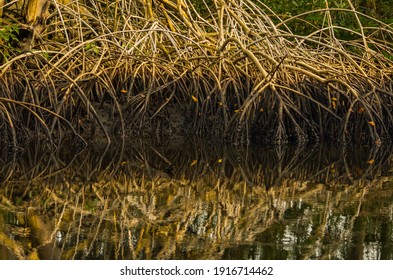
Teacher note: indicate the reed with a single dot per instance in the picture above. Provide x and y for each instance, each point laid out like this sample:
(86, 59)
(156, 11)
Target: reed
(237, 71)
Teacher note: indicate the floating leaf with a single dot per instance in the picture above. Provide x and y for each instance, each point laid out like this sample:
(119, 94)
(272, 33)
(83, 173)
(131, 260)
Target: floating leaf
(219, 160)
(236, 111)
(370, 161)
(194, 162)
(371, 123)
(261, 110)
(123, 91)
(334, 99)
(194, 98)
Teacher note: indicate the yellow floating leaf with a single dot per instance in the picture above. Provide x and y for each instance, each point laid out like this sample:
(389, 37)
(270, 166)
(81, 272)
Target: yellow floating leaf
(219, 160)
(123, 163)
(123, 91)
(334, 99)
(371, 123)
(370, 161)
(220, 103)
(237, 111)
(194, 98)
(261, 110)
(194, 162)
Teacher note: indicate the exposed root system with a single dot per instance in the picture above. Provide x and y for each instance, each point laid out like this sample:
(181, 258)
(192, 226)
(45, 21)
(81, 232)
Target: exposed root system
(119, 66)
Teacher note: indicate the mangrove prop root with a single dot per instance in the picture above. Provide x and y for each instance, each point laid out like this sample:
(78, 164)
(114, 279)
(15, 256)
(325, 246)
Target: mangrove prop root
(234, 67)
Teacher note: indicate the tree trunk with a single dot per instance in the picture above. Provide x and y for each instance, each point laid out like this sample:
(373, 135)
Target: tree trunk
(37, 11)
(2, 2)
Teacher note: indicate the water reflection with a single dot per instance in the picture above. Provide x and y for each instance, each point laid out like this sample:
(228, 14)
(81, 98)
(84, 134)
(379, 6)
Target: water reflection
(196, 200)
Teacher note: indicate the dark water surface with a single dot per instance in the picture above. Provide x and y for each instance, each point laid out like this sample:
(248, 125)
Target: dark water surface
(196, 200)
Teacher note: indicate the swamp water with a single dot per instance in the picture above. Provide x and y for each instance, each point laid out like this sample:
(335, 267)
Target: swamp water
(196, 200)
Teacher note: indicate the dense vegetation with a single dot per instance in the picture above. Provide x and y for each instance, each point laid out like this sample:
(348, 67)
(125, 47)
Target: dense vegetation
(241, 70)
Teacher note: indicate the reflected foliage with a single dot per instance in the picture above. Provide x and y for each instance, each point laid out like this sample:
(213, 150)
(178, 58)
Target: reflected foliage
(145, 200)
